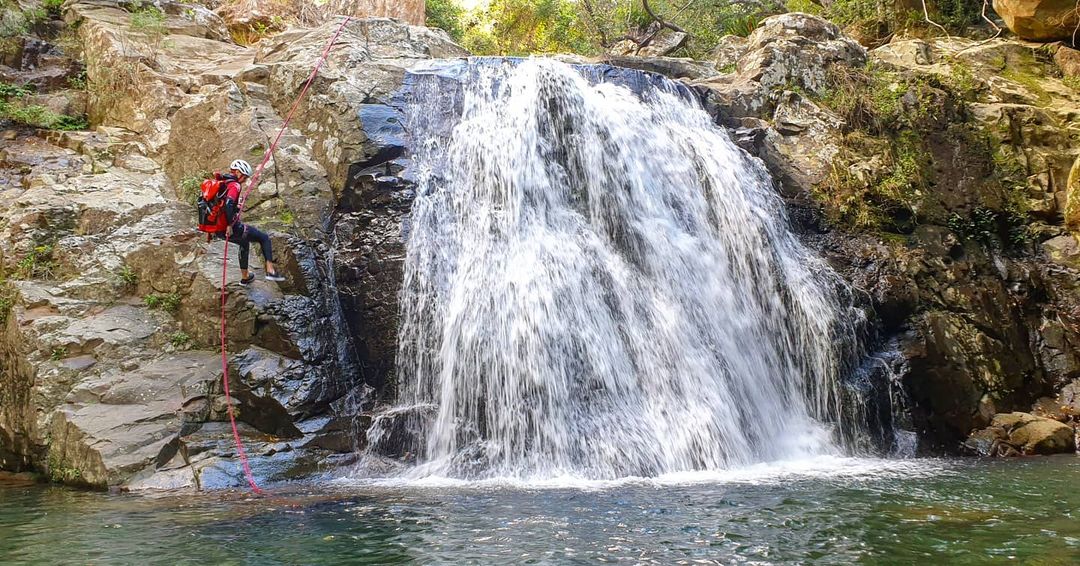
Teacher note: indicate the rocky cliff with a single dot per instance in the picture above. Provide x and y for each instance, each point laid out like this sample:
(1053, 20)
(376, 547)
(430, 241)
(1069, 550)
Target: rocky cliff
(111, 375)
(935, 175)
(939, 176)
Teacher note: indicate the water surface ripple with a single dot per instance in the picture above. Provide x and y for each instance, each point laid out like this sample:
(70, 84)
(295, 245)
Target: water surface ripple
(828, 511)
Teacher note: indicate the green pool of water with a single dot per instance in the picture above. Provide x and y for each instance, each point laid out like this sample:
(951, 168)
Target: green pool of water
(834, 511)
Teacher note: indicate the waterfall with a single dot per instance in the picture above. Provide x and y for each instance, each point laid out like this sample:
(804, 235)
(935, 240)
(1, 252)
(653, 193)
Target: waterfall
(600, 284)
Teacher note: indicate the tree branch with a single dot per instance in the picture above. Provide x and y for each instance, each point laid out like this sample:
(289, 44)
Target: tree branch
(591, 13)
(663, 23)
(926, 14)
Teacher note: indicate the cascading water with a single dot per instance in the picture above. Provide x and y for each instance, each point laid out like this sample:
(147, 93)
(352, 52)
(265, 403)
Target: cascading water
(600, 284)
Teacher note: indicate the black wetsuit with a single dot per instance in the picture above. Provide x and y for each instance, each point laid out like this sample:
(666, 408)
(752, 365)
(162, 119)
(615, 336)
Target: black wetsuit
(243, 234)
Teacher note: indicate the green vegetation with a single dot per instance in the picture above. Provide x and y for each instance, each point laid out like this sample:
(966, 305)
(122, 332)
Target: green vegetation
(12, 25)
(446, 15)
(168, 302)
(589, 27)
(1029, 78)
(874, 22)
(8, 90)
(188, 189)
(180, 340)
(62, 474)
(993, 229)
(7, 300)
(127, 277)
(35, 16)
(1072, 82)
(148, 19)
(13, 108)
(58, 353)
(899, 126)
(804, 6)
(38, 264)
(52, 6)
(287, 217)
(78, 81)
(40, 117)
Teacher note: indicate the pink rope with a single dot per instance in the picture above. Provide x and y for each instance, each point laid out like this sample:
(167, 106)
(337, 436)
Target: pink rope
(225, 262)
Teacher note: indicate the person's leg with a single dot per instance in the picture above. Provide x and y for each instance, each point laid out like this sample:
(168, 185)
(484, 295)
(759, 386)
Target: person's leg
(243, 242)
(257, 235)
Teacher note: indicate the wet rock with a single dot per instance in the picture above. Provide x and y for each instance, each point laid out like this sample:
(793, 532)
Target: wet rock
(1039, 20)
(672, 67)
(400, 432)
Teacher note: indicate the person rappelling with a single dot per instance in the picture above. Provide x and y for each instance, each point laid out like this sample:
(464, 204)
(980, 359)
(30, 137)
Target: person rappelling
(219, 217)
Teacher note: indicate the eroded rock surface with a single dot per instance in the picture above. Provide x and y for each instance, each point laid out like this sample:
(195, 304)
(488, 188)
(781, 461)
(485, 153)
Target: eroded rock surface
(995, 131)
(111, 314)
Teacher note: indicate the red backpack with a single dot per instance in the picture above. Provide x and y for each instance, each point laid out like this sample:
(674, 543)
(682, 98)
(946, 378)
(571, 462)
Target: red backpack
(211, 205)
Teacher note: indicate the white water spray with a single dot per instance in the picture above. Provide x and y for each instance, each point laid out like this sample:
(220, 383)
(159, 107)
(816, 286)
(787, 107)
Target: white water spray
(600, 284)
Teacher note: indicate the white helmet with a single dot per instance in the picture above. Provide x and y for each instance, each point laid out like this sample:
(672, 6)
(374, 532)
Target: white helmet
(241, 166)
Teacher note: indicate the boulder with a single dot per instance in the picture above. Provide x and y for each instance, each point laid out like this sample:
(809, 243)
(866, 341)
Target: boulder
(409, 11)
(1017, 433)
(1072, 206)
(138, 78)
(120, 424)
(729, 49)
(123, 426)
(797, 49)
(664, 43)
(1068, 60)
(1068, 400)
(1039, 20)
(671, 67)
(785, 52)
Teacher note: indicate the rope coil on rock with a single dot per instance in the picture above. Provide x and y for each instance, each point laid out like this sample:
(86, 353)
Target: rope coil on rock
(225, 262)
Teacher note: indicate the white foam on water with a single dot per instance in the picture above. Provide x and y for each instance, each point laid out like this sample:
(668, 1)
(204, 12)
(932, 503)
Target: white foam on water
(599, 285)
(820, 468)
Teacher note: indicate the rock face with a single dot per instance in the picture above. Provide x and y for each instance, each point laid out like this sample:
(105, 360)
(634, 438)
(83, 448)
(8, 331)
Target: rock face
(111, 375)
(1039, 20)
(983, 325)
(1072, 207)
(407, 11)
(1014, 434)
(108, 328)
(355, 121)
(665, 42)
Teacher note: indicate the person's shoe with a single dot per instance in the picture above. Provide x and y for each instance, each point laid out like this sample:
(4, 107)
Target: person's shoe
(274, 277)
(247, 280)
